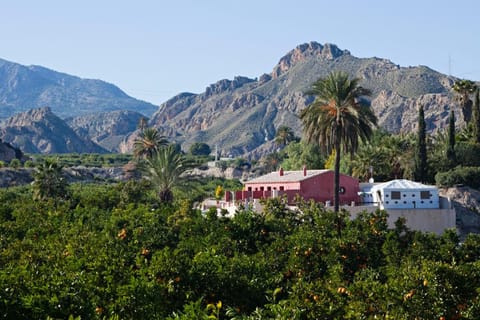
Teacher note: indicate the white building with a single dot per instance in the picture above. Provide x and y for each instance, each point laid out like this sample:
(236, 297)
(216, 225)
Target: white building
(405, 194)
(420, 205)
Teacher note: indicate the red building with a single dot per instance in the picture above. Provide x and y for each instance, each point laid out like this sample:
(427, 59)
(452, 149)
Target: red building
(314, 185)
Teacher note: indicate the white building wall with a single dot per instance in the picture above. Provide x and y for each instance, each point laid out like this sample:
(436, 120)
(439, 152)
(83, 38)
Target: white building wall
(426, 220)
(409, 199)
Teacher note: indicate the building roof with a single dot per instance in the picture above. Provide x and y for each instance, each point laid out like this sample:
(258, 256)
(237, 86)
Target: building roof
(403, 184)
(288, 176)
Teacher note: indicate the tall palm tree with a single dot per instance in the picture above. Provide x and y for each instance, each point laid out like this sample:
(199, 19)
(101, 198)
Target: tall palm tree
(165, 168)
(338, 117)
(284, 135)
(148, 142)
(465, 88)
(49, 181)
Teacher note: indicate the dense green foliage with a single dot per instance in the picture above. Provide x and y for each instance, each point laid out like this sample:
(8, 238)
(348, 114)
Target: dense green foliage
(469, 176)
(299, 154)
(200, 149)
(114, 252)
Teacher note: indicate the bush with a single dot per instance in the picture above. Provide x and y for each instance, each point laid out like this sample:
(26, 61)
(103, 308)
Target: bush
(15, 163)
(469, 176)
(200, 149)
(29, 164)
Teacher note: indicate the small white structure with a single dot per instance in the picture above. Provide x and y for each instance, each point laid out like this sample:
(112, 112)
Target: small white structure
(405, 194)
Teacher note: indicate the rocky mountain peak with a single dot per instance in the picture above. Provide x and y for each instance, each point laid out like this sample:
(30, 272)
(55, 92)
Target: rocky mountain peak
(306, 51)
(32, 115)
(227, 85)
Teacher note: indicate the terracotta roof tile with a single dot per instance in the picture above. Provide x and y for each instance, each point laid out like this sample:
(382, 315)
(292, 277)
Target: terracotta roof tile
(288, 176)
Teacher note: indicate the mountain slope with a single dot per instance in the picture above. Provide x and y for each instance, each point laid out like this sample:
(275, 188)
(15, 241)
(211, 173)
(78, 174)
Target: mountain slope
(41, 131)
(107, 129)
(28, 87)
(240, 115)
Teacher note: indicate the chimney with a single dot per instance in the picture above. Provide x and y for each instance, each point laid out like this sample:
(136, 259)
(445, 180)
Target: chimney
(281, 172)
(304, 171)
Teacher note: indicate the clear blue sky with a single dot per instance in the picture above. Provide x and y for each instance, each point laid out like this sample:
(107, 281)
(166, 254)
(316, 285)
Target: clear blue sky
(155, 49)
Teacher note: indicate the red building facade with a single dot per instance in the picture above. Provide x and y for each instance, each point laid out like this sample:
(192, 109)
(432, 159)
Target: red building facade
(314, 185)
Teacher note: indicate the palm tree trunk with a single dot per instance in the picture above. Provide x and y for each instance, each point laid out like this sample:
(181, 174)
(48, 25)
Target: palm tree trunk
(336, 183)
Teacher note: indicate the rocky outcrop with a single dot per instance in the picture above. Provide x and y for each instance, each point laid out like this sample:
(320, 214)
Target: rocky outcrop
(306, 51)
(41, 131)
(467, 207)
(226, 85)
(399, 114)
(8, 153)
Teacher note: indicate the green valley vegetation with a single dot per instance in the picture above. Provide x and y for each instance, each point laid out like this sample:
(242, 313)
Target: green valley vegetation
(115, 251)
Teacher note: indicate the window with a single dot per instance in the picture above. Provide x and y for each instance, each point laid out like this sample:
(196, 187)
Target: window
(269, 188)
(395, 194)
(425, 195)
(261, 188)
(250, 189)
(281, 188)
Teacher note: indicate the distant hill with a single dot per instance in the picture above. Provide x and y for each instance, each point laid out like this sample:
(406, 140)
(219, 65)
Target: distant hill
(27, 87)
(241, 115)
(41, 131)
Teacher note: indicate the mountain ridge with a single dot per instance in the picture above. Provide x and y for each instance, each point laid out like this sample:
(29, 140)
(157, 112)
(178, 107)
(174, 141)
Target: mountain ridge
(241, 115)
(31, 87)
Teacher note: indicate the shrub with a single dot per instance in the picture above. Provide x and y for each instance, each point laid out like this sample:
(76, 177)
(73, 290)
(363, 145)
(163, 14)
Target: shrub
(469, 176)
(29, 164)
(200, 149)
(15, 163)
